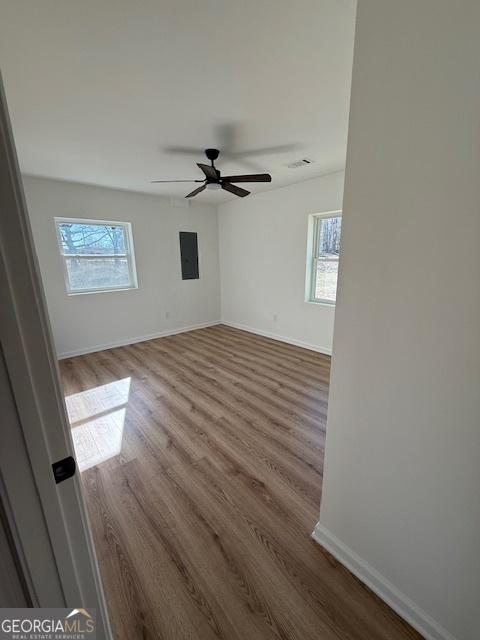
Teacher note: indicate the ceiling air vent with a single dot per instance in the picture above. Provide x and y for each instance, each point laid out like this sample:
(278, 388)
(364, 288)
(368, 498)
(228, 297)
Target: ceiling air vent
(299, 163)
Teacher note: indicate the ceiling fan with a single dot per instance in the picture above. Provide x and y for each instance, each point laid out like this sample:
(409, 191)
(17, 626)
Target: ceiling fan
(214, 180)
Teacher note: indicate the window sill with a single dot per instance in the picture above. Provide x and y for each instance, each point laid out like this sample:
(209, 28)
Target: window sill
(323, 303)
(86, 293)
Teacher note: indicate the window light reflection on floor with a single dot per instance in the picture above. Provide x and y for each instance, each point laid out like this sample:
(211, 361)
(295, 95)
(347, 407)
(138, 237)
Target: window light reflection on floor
(97, 418)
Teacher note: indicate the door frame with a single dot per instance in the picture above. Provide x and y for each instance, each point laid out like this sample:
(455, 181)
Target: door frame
(49, 522)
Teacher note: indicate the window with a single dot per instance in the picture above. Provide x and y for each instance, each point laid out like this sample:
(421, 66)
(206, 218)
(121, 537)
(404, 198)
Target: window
(97, 255)
(324, 250)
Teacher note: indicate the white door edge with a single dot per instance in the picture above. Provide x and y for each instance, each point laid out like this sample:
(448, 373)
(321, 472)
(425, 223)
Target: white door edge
(32, 371)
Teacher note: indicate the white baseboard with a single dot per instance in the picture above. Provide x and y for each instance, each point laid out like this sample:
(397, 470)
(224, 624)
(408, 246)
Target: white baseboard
(398, 601)
(274, 336)
(123, 343)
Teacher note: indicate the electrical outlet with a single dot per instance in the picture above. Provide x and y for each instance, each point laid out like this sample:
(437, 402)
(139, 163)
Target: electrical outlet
(275, 317)
(167, 315)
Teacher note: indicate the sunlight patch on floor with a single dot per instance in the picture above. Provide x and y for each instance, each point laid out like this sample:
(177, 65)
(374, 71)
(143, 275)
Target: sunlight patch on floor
(97, 418)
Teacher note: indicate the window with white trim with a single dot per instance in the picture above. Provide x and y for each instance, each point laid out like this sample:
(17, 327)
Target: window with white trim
(325, 251)
(97, 255)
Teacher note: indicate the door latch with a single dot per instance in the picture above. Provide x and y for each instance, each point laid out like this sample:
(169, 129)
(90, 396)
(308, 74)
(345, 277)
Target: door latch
(63, 469)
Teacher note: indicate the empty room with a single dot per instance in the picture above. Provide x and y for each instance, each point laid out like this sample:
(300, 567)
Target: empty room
(239, 328)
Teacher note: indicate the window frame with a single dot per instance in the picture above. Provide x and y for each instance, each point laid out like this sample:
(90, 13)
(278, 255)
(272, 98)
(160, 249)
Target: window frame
(313, 259)
(129, 255)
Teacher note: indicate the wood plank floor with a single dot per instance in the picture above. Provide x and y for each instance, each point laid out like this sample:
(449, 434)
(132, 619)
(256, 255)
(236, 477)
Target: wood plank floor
(201, 458)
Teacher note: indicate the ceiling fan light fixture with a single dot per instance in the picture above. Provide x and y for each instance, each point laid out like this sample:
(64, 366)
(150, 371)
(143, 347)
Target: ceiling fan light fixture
(214, 186)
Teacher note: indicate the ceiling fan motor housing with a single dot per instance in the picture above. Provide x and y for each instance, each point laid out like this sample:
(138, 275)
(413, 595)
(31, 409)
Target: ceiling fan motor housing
(212, 154)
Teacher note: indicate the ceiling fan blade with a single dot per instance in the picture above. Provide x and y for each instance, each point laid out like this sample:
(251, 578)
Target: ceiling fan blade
(157, 181)
(194, 193)
(238, 191)
(254, 177)
(209, 171)
(281, 148)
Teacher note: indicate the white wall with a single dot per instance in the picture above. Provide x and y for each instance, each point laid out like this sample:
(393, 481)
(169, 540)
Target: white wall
(85, 322)
(263, 244)
(402, 470)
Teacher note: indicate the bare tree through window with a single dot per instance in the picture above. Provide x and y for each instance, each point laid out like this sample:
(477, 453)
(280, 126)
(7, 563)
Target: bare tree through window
(97, 255)
(326, 252)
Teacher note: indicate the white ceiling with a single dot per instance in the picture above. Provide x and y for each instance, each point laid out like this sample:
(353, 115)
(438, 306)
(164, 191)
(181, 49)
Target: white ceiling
(103, 91)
